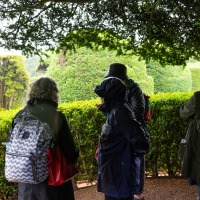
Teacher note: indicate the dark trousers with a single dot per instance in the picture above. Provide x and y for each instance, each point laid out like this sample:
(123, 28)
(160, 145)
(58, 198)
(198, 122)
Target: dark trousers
(113, 198)
(140, 170)
(62, 192)
(33, 191)
(43, 191)
(198, 190)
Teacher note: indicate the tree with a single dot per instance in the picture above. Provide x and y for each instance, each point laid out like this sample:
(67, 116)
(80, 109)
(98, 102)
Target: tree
(170, 78)
(31, 64)
(166, 31)
(13, 80)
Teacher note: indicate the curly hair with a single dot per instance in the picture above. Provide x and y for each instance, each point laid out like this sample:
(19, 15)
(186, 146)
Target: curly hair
(44, 88)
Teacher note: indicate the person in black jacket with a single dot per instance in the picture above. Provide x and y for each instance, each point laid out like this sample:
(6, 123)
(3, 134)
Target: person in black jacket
(43, 102)
(136, 101)
(191, 158)
(117, 175)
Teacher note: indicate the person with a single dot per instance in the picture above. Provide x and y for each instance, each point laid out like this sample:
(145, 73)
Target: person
(117, 177)
(43, 102)
(137, 102)
(191, 161)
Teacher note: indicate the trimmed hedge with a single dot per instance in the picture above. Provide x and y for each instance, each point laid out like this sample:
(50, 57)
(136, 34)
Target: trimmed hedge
(84, 69)
(6, 189)
(85, 122)
(166, 128)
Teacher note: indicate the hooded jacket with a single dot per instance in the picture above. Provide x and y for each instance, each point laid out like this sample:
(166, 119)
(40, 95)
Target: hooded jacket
(191, 161)
(45, 110)
(116, 175)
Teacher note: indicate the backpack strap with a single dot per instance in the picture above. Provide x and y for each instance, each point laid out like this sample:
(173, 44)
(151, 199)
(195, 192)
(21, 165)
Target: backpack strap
(56, 123)
(56, 128)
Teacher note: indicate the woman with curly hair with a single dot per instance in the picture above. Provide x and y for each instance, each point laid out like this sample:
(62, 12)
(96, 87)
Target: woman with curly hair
(43, 103)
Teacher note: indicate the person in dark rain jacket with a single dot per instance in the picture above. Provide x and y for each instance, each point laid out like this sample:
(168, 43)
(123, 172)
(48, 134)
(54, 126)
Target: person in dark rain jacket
(191, 161)
(116, 159)
(136, 101)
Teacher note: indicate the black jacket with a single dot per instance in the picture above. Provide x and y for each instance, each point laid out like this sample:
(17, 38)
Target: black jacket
(45, 110)
(191, 162)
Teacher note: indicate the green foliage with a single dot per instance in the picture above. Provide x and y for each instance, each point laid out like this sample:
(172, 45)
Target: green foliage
(166, 31)
(85, 121)
(37, 66)
(166, 129)
(6, 189)
(170, 78)
(13, 79)
(85, 69)
(195, 72)
(45, 61)
(147, 85)
(31, 65)
(6, 117)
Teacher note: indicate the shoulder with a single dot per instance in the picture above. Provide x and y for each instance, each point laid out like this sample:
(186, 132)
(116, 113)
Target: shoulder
(19, 113)
(62, 118)
(197, 94)
(133, 87)
(193, 98)
(196, 98)
(60, 115)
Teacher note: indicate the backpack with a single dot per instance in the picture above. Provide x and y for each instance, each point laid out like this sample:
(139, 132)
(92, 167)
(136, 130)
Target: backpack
(26, 158)
(147, 112)
(141, 140)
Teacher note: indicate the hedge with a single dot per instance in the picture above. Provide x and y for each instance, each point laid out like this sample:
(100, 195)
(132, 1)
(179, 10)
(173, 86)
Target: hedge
(166, 128)
(71, 70)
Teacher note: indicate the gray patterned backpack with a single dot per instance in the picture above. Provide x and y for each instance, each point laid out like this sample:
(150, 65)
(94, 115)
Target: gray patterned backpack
(26, 158)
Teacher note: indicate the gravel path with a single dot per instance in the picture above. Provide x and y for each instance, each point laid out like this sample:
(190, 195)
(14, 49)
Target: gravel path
(155, 189)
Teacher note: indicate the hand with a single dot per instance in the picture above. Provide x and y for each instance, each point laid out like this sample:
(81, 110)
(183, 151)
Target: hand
(98, 105)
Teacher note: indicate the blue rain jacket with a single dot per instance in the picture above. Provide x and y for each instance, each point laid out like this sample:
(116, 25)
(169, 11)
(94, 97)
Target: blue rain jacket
(117, 175)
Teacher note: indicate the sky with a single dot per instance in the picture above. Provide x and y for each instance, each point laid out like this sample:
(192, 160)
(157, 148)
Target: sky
(4, 51)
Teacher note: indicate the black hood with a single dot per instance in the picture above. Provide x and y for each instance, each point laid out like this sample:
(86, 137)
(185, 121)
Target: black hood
(113, 90)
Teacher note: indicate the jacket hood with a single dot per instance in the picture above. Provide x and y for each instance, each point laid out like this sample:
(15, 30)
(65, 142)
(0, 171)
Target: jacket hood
(43, 108)
(113, 90)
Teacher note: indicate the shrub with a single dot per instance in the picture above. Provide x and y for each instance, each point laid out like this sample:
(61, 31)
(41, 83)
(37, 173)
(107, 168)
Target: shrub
(85, 121)
(6, 189)
(167, 129)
